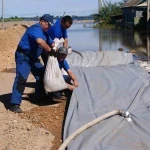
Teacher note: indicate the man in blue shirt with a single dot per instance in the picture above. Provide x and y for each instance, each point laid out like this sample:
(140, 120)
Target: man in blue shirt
(62, 53)
(30, 47)
(59, 30)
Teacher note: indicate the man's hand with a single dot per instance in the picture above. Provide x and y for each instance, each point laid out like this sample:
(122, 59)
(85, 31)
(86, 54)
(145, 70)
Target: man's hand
(53, 53)
(76, 84)
(73, 77)
(71, 87)
(69, 50)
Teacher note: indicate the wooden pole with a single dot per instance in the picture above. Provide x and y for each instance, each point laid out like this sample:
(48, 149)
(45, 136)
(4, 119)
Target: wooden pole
(2, 14)
(148, 48)
(148, 28)
(100, 38)
(99, 4)
(148, 14)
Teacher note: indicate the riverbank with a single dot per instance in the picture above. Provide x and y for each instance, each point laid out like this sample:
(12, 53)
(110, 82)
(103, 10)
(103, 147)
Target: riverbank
(16, 23)
(9, 39)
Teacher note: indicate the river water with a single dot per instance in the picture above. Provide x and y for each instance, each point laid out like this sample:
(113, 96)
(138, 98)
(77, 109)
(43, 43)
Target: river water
(87, 38)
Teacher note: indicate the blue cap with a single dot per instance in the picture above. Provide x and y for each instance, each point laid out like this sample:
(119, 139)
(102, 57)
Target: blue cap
(48, 18)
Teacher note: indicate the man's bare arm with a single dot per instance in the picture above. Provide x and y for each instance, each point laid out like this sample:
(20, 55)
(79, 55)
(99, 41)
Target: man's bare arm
(70, 87)
(65, 44)
(73, 77)
(43, 44)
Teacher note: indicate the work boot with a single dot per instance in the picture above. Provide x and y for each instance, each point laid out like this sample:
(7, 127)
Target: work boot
(15, 108)
(68, 93)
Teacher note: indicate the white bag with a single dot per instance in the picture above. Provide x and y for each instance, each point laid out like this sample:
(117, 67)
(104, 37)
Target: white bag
(53, 79)
(58, 42)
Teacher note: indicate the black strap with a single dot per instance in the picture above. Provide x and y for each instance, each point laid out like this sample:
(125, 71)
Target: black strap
(20, 50)
(25, 54)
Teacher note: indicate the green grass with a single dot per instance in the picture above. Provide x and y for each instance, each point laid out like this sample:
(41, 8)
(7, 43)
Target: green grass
(105, 26)
(12, 19)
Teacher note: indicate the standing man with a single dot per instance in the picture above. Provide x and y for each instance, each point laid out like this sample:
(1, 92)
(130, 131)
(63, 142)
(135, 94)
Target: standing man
(30, 47)
(59, 30)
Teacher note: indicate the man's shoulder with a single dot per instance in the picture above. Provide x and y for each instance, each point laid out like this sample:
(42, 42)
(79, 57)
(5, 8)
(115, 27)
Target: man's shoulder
(34, 26)
(54, 30)
(63, 62)
(57, 21)
(66, 63)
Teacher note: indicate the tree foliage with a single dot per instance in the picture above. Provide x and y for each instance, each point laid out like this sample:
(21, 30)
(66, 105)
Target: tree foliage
(105, 13)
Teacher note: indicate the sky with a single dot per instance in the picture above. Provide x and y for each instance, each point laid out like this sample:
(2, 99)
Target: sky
(26, 8)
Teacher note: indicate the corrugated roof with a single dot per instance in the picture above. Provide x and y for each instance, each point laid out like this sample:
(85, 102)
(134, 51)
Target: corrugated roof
(131, 3)
(142, 4)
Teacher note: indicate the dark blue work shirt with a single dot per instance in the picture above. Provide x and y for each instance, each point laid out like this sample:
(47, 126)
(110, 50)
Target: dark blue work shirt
(57, 31)
(64, 64)
(28, 41)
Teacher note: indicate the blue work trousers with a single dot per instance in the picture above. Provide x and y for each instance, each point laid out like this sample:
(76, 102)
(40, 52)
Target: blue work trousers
(23, 67)
(59, 93)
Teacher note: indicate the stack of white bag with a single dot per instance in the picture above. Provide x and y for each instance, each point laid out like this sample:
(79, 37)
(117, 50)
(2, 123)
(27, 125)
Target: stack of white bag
(145, 65)
(53, 79)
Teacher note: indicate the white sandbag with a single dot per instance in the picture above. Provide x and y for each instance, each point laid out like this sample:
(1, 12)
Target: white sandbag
(53, 79)
(99, 58)
(58, 42)
(63, 72)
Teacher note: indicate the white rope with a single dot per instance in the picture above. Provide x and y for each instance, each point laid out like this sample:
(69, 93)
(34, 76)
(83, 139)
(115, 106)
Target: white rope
(88, 125)
(144, 65)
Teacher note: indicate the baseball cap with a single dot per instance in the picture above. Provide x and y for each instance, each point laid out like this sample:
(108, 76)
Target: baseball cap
(63, 50)
(48, 18)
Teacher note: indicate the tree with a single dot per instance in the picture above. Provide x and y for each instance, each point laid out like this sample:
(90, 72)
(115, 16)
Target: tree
(105, 13)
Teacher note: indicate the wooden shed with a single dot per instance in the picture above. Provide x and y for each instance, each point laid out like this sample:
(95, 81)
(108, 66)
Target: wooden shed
(134, 14)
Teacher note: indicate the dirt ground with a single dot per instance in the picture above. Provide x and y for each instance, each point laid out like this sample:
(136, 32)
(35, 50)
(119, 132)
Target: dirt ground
(40, 126)
(49, 117)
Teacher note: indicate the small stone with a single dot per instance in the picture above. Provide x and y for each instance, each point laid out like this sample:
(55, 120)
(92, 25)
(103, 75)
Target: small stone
(46, 132)
(43, 125)
(28, 128)
(57, 117)
(15, 121)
